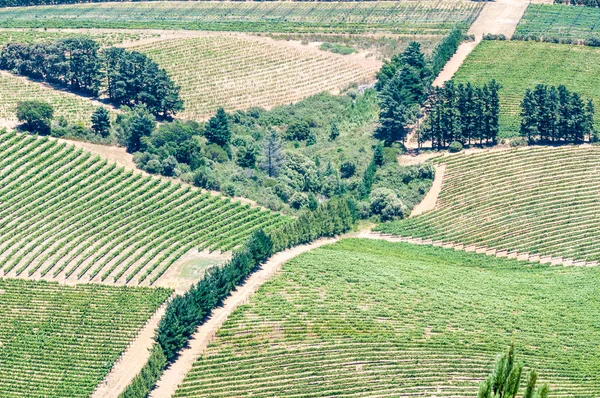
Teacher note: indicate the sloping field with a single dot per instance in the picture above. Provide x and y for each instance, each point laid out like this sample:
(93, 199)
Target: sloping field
(414, 17)
(518, 65)
(560, 21)
(36, 36)
(65, 214)
(239, 73)
(537, 200)
(60, 341)
(370, 318)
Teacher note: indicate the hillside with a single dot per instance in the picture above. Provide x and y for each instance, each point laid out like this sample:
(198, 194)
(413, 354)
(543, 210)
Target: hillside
(537, 200)
(368, 318)
(66, 214)
(560, 22)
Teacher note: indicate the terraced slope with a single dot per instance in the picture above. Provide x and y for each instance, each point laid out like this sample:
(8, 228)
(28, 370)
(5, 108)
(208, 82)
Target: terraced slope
(366, 318)
(518, 65)
(60, 341)
(65, 214)
(537, 200)
(414, 17)
(239, 73)
(560, 21)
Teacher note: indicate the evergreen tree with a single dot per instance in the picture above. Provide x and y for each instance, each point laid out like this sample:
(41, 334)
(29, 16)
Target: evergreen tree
(378, 157)
(141, 124)
(589, 120)
(101, 122)
(529, 115)
(334, 132)
(492, 114)
(395, 114)
(217, 129)
(273, 154)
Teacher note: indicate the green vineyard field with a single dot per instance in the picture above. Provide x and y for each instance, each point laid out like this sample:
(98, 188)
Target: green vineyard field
(238, 73)
(414, 17)
(61, 341)
(65, 214)
(365, 318)
(518, 65)
(537, 200)
(560, 21)
(37, 36)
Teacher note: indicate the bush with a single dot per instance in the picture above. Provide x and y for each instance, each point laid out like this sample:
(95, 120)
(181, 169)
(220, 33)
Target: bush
(215, 153)
(298, 200)
(385, 202)
(298, 130)
(36, 116)
(168, 166)
(347, 169)
(592, 42)
(455, 147)
(204, 178)
(153, 166)
(517, 142)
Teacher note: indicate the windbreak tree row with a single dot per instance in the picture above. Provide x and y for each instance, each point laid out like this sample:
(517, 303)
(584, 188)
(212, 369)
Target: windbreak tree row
(79, 65)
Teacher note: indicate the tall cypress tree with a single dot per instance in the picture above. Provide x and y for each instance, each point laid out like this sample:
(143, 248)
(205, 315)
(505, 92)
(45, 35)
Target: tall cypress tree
(529, 114)
(217, 129)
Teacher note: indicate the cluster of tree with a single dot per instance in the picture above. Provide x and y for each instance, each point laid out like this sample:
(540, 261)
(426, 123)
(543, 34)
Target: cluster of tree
(551, 114)
(587, 3)
(78, 65)
(186, 312)
(462, 113)
(505, 380)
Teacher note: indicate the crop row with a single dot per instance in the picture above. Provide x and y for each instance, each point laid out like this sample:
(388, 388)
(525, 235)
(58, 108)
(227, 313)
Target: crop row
(560, 21)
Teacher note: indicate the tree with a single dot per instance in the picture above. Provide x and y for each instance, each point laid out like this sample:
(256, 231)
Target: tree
(589, 119)
(334, 132)
(273, 154)
(101, 122)
(394, 114)
(217, 129)
(505, 379)
(529, 115)
(378, 157)
(246, 156)
(36, 116)
(142, 124)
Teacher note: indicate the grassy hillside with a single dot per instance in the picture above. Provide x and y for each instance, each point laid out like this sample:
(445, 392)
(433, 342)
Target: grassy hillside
(560, 21)
(61, 341)
(369, 318)
(538, 200)
(67, 214)
(239, 73)
(518, 65)
(422, 17)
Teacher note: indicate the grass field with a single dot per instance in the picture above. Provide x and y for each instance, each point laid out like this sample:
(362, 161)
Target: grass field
(36, 36)
(67, 214)
(518, 65)
(420, 17)
(371, 318)
(560, 21)
(539, 200)
(61, 341)
(239, 73)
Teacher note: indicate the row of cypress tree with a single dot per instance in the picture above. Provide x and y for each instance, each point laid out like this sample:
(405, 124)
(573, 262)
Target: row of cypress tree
(186, 312)
(462, 112)
(79, 65)
(556, 115)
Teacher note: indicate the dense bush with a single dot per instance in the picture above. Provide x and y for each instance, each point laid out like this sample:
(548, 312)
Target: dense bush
(36, 116)
(455, 146)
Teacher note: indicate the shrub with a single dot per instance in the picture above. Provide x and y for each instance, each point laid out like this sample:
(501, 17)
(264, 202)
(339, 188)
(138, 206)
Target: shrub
(347, 169)
(298, 200)
(153, 166)
(168, 166)
(298, 130)
(517, 142)
(229, 190)
(204, 178)
(36, 116)
(385, 202)
(455, 146)
(215, 153)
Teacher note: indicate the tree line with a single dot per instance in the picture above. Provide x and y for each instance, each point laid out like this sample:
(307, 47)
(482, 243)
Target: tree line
(554, 114)
(77, 64)
(463, 113)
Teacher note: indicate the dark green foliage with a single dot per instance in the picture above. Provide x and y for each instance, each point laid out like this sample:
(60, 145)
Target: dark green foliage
(347, 169)
(215, 153)
(143, 383)
(455, 146)
(298, 130)
(204, 178)
(217, 129)
(378, 157)
(36, 116)
(334, 132)
(246, 156)
(273, 158)
(411, 57)
(101, 122)
(445, 50)
(554, 114)
(141, 124)
(505, 380)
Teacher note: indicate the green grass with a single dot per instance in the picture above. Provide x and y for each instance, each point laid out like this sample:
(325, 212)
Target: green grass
(431, 17)
(560, 21)
(518, 65)
(370, 318)
(37, 36)
(539, 200)
(61, 341)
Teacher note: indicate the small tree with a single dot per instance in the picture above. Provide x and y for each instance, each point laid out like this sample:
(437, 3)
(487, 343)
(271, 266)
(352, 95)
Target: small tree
(217, 130)
(334, 132)
(505, 379)
(101, 122)
(378, 156)
(36, 116)
(273, 154)
(142, 124)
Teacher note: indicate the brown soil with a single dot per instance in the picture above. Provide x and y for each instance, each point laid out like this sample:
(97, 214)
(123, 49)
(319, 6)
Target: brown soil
(429, 201)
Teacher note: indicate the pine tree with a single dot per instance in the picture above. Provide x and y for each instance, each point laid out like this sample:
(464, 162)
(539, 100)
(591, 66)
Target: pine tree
(101, 122)
(589, 120)
(217, 129)
(492, 118)
(529, 113)
(142, 124)
(334, 132)
(378, 157)
(394, 115)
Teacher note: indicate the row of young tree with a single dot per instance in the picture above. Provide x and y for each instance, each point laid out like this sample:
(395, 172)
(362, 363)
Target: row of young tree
(556, 115)
(463, 113)
(78, 64)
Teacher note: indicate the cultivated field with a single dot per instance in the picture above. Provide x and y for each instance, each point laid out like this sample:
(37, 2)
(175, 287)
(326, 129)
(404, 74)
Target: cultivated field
(238, 73)
(60, 341)
(538, 200)
(66, 214)
(414, 17)
(37, 36)
(560, 21)
(518, 65)
(371, 318)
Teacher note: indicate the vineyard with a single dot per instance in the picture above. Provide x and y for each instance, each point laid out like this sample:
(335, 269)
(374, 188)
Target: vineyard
(518, 65)
(539, 200)
(412, 17)
(66, 214)
(239, 73)
(370, 318)
(560, 21)
(60, 341)
(36, 36)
